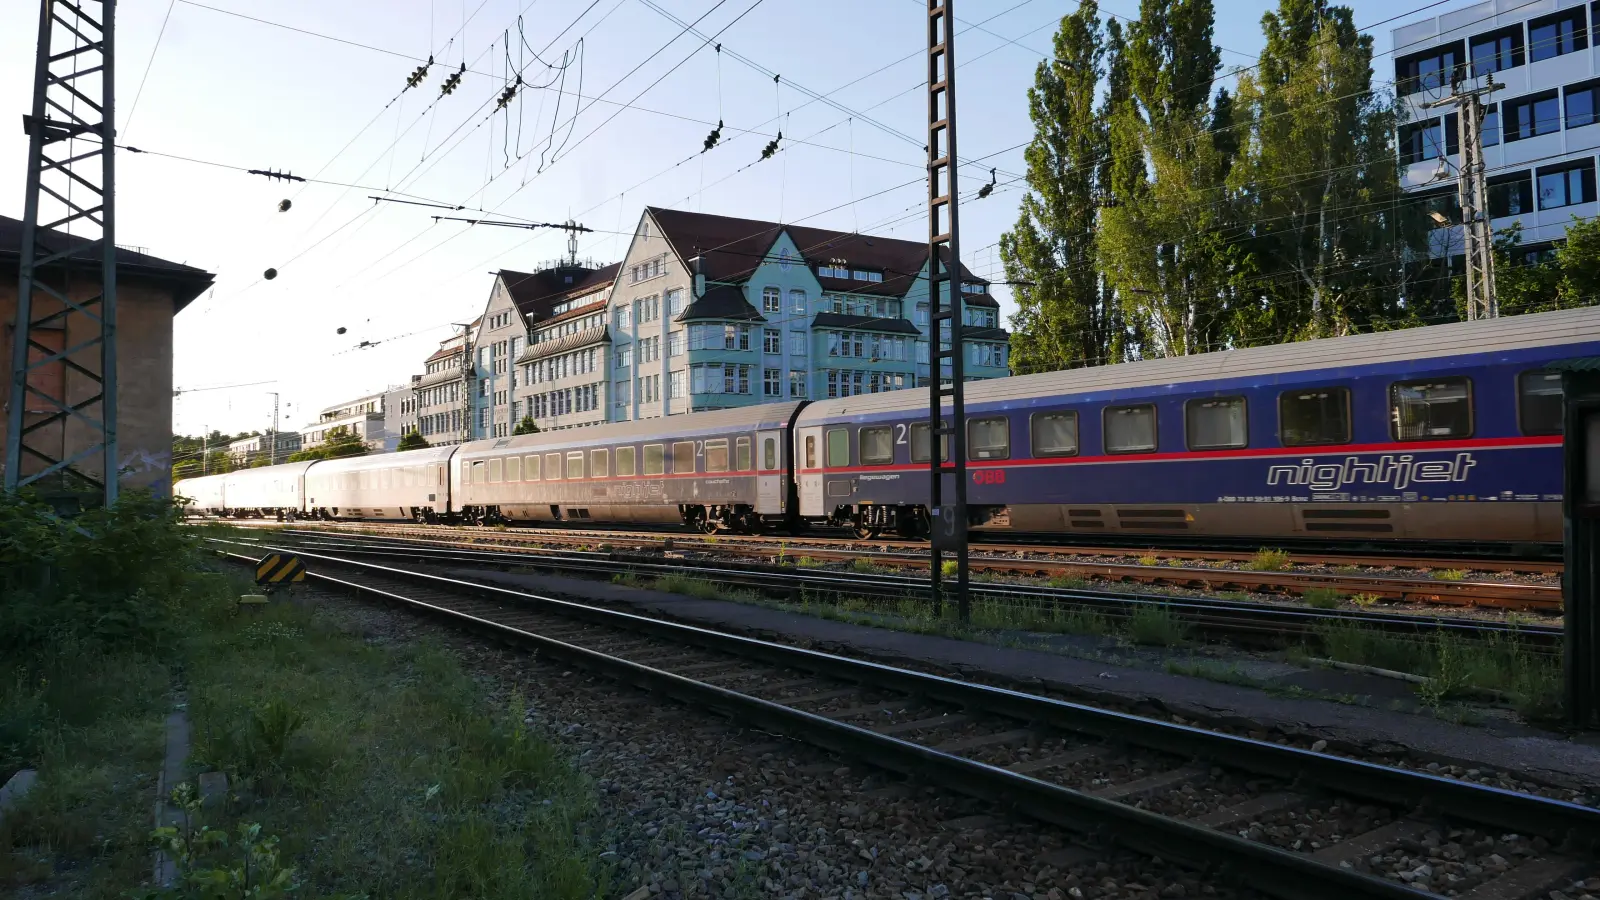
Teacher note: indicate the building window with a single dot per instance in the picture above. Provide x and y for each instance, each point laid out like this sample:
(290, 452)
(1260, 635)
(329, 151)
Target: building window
(677, 384)
(624, 318)
(1490, 129)
(797, 384)
(675, 343)
(982, 317)
(797, 300)
(1557, 35)
(1532, 116)
(833, 271)
(864, 275)
(1510, 195)
(771, 382)
(772, 341)
(674, 301)
(624, 357)
(620, 394)
(1581, 104)
(1432, 139)
(797, 344)
(1497, 51)
(771, 300)
(922, 314)
(1566, 186)
(1429, 70)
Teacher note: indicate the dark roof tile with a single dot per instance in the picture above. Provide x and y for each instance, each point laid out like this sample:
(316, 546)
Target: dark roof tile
(187, 282)
(864, 323)
(721, 302)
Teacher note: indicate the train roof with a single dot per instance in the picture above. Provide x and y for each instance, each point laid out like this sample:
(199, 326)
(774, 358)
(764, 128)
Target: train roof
(746, 418)
(1567, 326)
(421, 457)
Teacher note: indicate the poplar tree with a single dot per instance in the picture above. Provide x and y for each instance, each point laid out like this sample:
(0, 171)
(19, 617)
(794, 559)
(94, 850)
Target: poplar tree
(1063, 320)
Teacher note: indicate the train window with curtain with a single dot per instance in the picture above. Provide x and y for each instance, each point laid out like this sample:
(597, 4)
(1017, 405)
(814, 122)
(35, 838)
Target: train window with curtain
(717, 455)
(1216, 423)
(496, 475)
(624, 462)
(877, 446)
(1055, 434)
(1432, 409)
(811, 451)
(599, 463)
(552, 467)
(654, 463)
(1539, 406)
(513, 468)
(682, 457)
(1311, 416)
(1130, 429)
(741, 448)
(919, 443)
(575, 464)
(769, 453)
(530, 468)
(838, 447)
(989, 438)
(478, 472)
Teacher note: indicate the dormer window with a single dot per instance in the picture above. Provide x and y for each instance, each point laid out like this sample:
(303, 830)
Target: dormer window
(864, 275)
(833, 271)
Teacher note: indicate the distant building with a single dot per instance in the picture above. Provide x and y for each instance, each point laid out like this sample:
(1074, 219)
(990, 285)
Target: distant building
(440, 404)
(247, 450)
(363, 416)
(400, 410)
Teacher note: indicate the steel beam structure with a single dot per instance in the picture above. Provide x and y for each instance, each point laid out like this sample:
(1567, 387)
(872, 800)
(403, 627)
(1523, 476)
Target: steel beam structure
(949, 520)
(62, 413)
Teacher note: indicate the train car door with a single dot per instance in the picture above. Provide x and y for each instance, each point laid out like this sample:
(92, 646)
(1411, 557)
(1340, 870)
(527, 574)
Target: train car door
(769, 473)
(808, 468)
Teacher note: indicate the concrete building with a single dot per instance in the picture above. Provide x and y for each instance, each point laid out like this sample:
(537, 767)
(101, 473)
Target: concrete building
(439, 392)
(248, 450)
(150, 292)
(400, 410)
(1541, 131)
(363, 416)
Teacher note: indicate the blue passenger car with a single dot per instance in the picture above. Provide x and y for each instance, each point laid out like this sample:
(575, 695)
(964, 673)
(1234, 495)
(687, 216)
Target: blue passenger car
(1450, 432)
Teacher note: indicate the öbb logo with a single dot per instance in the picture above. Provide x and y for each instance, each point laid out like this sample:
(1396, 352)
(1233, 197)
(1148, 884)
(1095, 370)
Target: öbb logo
(989, 476)
(1396, 471)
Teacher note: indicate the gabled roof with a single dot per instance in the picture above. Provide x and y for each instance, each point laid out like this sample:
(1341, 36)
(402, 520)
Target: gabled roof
(731, 249)
(536, 293)
(584, 338)
(723, 301)
(185, 282)
(574, 313)
(864, 323)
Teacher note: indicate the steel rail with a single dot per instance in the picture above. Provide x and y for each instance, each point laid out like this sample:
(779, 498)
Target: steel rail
(1278, 872)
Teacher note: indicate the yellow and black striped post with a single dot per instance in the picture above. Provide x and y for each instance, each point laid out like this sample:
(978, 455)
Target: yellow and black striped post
(280, 568)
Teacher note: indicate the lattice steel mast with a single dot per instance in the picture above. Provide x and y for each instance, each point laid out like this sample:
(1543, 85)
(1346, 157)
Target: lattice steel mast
(62, 414)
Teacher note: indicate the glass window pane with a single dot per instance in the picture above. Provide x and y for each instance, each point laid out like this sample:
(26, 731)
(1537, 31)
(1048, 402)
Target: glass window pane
(530, 468)
(624, 462)
(478, 472)
(552, 466)
(769, 453)
(838, 447)
(1215, 424)
(877, 447)
(1539, 404)
(919, 443)
(1130, 429)
(495, 475)
(717, 455)
(1430, 410)
(654, 460)
(599, 463)
(742, 451)
(1314, 416)
(575, 464)
(683, 457)
(514, 468)
(1055, 434)
(989, 438)
(811, 451)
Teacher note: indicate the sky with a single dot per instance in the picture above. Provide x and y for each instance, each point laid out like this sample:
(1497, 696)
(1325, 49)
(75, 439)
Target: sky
(315, 89)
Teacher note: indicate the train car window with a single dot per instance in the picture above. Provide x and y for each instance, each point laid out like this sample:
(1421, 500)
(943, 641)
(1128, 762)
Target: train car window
(496, 473)
(552, 467)
(530, 468)
(575, 464)
(1130, 429)
(624, 462)
(478, 471)
(811, 451)
(838, 447)
(877, 446)
(717, 455)
(989, 438)
(682, 457)
(599, 463)
(1539, 407)
(769, 453)
(1216, 423)
(653, 460)
(513, 468)
(741, 448)
(919, 443)
(1430, 410)
(1054, 434)
(1312, 416)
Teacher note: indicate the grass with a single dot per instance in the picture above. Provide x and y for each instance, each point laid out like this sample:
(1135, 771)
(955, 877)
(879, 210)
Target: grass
(1149, 559)
(1156, 626)
(1450, 574)
(1268, 560)
(867, 567)
(1322, 598)
(362, 768)
(1365, 601)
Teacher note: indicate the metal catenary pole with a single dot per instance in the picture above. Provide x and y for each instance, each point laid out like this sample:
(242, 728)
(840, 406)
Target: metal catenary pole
(468, 381)
(64, 356)
(949, 520)
(1473, 195)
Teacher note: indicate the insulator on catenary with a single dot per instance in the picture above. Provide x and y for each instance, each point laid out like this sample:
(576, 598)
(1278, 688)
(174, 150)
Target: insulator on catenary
(341, 330)
(270, 274)
(283, 205)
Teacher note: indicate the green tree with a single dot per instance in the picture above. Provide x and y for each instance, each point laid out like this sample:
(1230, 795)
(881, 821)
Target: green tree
(1318, 182)
(338, 443)
(412, 440)
(1064, 317)
(1579, 259)
(526, 426)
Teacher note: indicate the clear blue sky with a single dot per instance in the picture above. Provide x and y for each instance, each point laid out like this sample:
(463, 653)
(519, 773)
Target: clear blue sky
(230, 90)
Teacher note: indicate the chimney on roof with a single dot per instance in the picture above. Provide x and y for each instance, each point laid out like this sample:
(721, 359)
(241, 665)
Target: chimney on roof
(696, 266)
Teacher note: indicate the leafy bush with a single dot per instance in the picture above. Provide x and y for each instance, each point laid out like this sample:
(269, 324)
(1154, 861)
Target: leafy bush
(112, 576)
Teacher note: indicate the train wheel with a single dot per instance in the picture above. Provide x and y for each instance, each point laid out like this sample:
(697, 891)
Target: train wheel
(865, 532)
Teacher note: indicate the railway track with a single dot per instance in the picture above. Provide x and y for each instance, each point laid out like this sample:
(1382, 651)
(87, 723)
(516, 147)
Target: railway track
(1290, 822)
(1255, 623)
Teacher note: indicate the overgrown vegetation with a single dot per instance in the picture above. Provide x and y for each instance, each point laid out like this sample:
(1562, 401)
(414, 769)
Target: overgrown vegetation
(1321, 598)
(357, 766)
(1268, 560)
